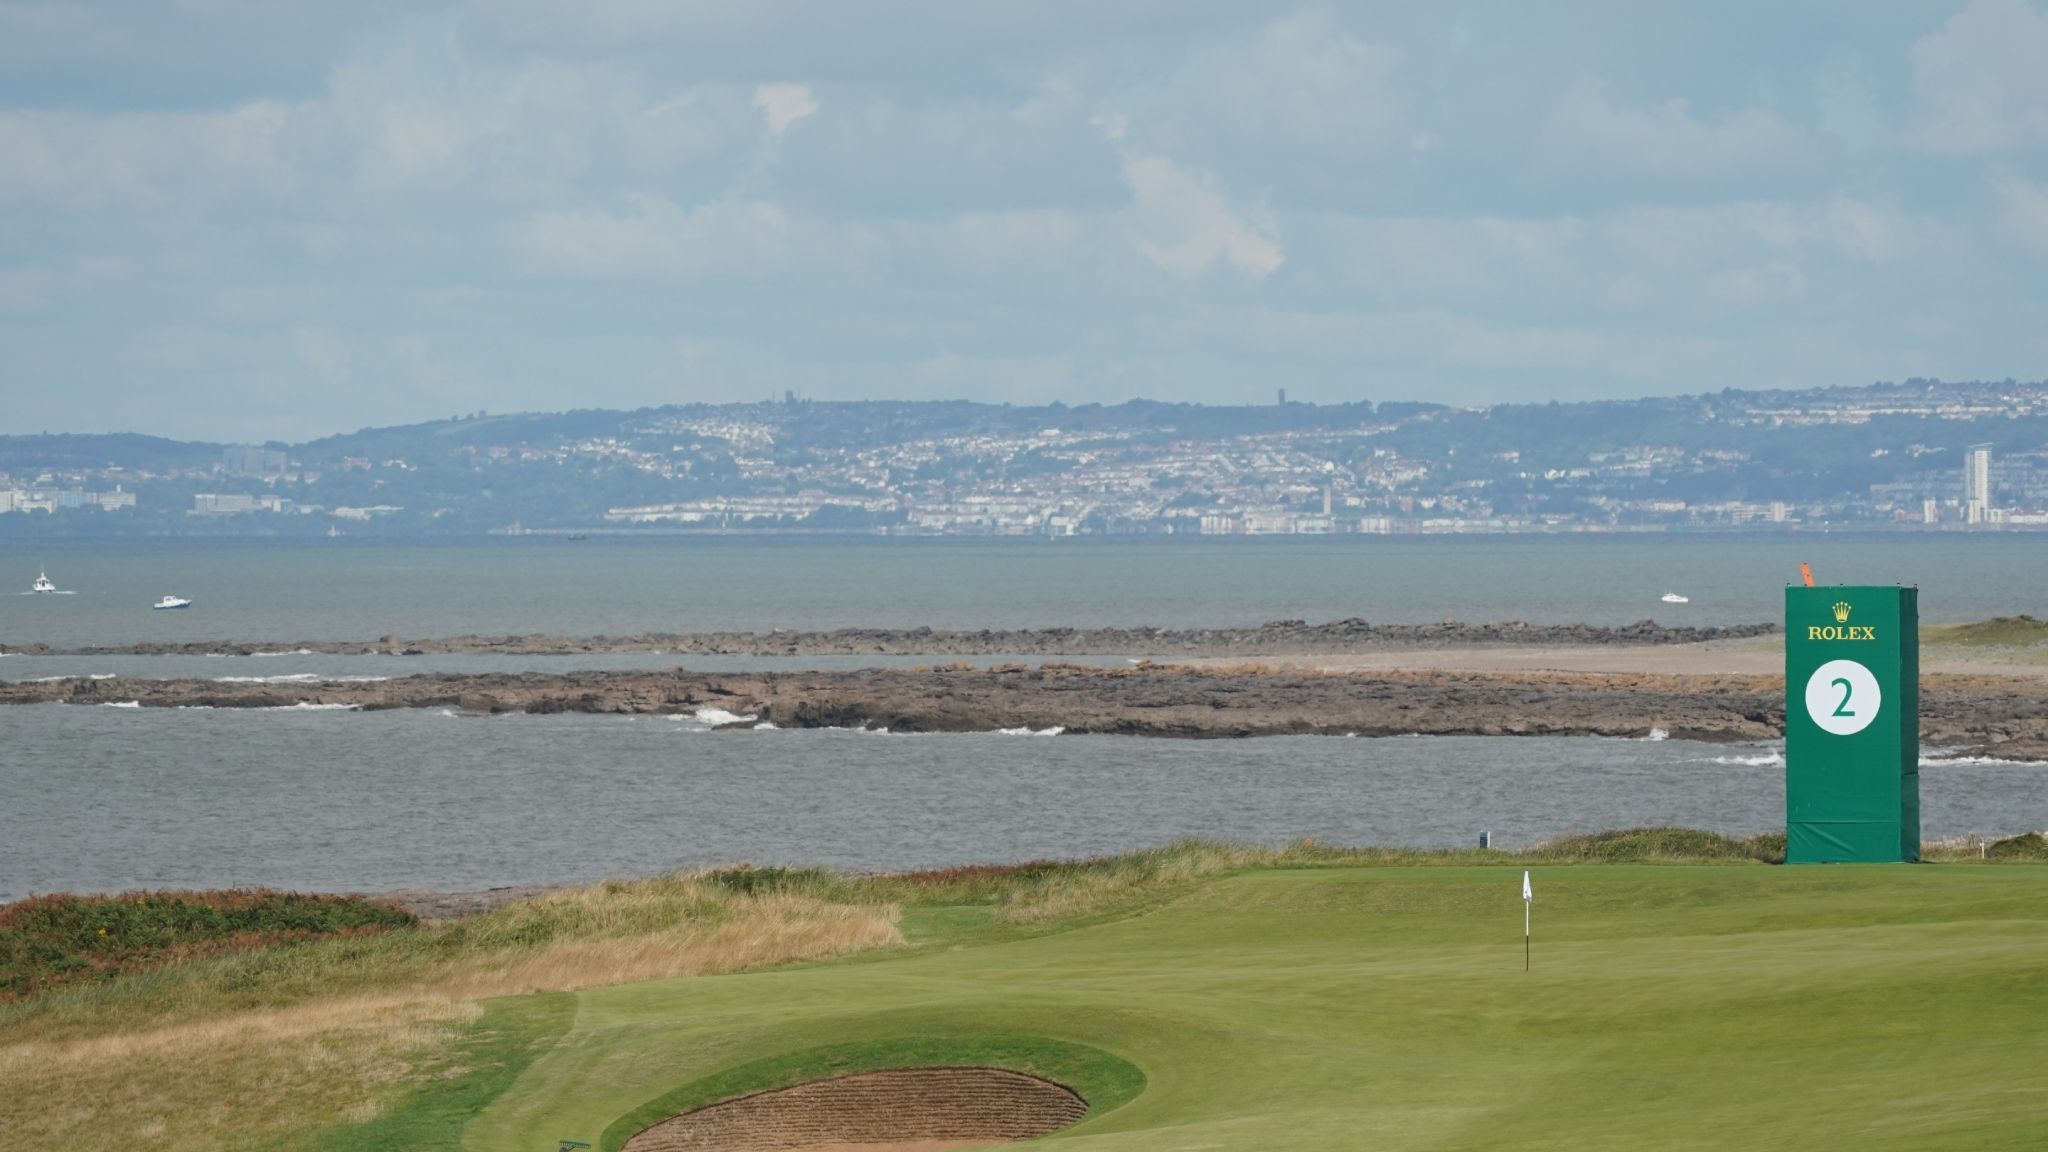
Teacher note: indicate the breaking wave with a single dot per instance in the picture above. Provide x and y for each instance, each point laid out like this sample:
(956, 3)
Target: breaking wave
(1763, 760)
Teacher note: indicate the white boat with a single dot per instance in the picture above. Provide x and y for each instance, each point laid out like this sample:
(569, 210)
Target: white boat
(43, 583)
(1674, 598)
(172, 602)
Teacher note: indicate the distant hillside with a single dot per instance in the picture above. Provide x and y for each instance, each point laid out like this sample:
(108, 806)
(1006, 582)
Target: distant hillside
(118, 449)
(1881, 455)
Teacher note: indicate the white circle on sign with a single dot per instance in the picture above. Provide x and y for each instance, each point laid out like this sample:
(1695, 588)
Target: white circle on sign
(1842, 697)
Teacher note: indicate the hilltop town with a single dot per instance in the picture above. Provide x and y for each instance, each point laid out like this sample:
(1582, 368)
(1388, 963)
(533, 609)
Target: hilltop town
(1922, 455)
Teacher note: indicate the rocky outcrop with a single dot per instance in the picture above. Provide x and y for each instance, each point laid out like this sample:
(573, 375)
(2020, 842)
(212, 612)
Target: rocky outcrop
(1965, 712)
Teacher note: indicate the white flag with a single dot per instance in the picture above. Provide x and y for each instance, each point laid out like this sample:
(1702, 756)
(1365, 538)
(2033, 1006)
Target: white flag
(1526, 893)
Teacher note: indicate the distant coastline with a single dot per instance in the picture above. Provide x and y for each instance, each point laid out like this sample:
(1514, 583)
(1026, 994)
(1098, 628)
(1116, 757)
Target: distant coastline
(1275, 638)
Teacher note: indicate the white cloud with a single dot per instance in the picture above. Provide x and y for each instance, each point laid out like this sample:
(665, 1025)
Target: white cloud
(1184, 225)
(1868, 232)
(1848, 107)
(1672, 240)
(782, 105)
(2025, 210)
(321, 351)
(1306, 80)
(1980, 84)
(596, 24)
(677, 130)
(93, 161)
(1299, 83)
(657, 238)
(1025, 236)
(1057, 96)
(1586, 124)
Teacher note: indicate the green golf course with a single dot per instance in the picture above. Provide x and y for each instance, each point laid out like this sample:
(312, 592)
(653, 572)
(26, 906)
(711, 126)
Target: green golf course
(1667, 1006)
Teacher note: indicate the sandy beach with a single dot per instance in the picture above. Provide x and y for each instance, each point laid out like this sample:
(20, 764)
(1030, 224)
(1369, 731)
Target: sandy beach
(1757, 656)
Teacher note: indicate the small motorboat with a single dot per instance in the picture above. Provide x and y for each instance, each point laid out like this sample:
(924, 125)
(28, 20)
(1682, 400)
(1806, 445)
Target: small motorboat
(43, 583)
(172, 602)
(1674, 598)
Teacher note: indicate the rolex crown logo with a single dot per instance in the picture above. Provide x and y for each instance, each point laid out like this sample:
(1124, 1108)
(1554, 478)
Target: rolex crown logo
(1841, 612)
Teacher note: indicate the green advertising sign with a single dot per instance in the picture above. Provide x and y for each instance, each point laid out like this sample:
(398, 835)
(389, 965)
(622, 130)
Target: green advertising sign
(1852, 724)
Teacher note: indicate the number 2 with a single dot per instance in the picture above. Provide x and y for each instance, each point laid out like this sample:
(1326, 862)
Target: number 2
(1842, 708)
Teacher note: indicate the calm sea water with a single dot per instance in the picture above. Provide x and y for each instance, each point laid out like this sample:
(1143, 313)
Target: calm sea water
(354, 590)
(101, 798)
(109, 798)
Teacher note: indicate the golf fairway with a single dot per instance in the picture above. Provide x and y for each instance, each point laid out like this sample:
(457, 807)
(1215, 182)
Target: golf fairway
(1668, 1006)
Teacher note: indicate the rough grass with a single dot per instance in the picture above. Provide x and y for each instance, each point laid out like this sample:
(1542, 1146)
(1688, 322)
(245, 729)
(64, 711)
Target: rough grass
(1997, 632)
(259, 1049)
(2032, 846)
(48, 941)
(1042, 891)
(1667, 845)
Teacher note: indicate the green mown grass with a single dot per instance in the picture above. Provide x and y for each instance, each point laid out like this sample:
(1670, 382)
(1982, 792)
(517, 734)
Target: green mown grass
(1200, 995)
(1342, 1006)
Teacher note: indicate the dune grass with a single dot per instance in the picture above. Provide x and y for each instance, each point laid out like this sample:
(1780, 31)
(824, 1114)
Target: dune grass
(50, 941)
(1997, 632)
(264, 1047)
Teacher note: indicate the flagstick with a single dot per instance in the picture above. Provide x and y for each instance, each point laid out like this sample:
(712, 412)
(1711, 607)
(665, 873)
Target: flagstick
(1528, 899)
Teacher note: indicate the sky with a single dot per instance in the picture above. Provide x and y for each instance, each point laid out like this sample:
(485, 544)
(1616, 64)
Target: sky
(264, 219)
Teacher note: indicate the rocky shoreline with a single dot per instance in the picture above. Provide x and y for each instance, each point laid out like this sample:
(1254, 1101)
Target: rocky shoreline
(1982, 715)
(1276, 638)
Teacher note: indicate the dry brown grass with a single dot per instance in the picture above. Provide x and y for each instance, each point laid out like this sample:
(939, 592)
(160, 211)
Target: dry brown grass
(203, 1056)
(252, 1080)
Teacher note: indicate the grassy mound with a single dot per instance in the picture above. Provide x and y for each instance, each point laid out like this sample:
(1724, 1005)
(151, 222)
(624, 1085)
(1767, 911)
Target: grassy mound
(2032, 846)
(266, 1047)
(1997, 632)
(48, 941)
(1671, 845)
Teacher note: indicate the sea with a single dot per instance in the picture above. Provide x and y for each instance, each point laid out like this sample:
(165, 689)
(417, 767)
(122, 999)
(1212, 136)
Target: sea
(96, 798)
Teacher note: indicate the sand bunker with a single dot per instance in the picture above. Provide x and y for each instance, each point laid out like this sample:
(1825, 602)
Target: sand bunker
(900, 1110)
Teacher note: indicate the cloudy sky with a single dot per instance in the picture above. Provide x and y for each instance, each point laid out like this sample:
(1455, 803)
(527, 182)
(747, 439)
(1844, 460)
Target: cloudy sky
(246, 219)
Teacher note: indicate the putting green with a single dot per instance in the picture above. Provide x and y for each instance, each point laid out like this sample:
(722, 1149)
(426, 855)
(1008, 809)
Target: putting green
(1878, 1007)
